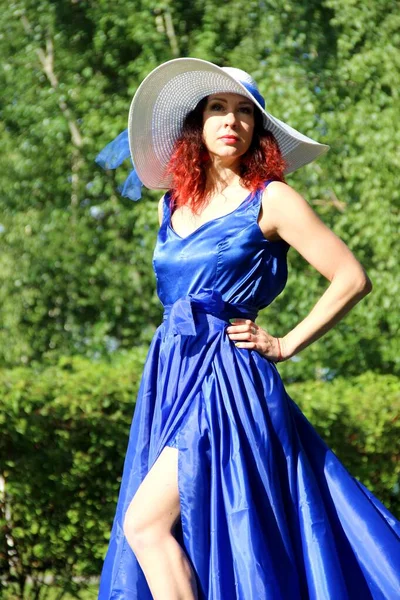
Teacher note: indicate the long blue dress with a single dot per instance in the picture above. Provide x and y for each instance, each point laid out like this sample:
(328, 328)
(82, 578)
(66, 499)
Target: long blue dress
(268, 512)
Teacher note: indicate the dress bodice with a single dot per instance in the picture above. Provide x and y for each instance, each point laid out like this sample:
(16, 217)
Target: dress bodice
(228, 254)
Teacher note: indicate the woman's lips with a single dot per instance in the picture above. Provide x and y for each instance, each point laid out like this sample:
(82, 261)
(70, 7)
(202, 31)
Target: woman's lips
(229, 139)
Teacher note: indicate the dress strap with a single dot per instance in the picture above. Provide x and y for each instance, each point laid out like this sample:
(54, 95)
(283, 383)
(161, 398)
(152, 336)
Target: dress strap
(266, 184)
(166, 208)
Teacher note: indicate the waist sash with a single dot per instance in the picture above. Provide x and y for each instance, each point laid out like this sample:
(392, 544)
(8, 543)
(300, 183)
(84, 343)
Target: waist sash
(179, 319)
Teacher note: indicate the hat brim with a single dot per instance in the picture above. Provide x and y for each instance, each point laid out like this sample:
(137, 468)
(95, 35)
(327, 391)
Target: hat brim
(169, 93)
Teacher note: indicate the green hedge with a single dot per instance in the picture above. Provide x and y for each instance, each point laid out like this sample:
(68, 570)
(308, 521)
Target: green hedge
(359, 419)
(63, 436)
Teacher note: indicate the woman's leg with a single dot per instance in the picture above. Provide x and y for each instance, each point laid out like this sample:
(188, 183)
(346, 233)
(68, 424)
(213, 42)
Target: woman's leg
(149, 522)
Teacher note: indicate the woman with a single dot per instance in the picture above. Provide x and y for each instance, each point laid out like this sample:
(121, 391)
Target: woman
(228, 492)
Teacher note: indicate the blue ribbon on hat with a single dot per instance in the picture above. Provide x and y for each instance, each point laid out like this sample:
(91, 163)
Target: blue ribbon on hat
(254, 92)
(112, 156)
(179, 317)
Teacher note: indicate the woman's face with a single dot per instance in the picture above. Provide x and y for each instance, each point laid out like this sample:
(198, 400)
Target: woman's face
(228, 125)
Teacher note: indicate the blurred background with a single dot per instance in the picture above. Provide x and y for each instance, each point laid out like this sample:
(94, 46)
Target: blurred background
(78, 305)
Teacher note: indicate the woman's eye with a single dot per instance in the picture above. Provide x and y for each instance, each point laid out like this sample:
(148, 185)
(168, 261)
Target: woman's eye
(216, 106)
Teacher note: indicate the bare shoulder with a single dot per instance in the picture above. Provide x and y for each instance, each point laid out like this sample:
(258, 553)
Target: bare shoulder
(283, 207)
(278, 199)
(279, 196)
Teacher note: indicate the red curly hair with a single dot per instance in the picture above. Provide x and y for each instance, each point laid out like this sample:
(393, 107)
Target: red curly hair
(187, 165)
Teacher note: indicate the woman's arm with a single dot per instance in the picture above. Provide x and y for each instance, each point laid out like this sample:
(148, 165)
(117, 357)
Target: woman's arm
(287, 215)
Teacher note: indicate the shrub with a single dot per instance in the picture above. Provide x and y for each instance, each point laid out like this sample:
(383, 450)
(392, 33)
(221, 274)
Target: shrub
(63, 436)
(359, 419)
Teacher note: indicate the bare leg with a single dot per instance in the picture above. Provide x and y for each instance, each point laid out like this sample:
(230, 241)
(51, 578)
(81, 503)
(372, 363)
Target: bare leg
(149, 522)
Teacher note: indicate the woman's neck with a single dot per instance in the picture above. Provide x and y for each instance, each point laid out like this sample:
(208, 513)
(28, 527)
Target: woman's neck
(221, 176)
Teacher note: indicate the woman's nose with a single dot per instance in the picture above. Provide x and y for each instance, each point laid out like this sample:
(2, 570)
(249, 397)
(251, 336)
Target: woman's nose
(230, 118)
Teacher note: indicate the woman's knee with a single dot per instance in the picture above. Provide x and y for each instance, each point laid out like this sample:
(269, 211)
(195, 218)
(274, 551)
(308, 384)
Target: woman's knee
(142, 535)
(155, 508)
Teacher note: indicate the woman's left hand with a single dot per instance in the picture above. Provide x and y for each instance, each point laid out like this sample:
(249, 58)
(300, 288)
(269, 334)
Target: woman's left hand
(247, 334)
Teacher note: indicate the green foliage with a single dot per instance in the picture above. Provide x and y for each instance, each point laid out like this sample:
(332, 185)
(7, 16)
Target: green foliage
(48, 591)
(74, 289)
(63, 437)
(359, 420)
(75, 271)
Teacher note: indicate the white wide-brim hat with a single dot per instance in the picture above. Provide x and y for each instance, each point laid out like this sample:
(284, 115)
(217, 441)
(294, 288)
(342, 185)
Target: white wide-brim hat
(171, 91)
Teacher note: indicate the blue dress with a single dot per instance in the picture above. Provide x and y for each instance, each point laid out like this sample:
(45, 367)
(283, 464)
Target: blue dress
(268, 512)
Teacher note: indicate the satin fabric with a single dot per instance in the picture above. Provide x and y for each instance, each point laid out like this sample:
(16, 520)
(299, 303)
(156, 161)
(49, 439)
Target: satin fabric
(112, 157)
(268, 512)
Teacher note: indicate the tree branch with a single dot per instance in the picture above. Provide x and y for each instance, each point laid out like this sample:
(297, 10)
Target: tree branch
(170, 29)
(47, 61)
(333, 201)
